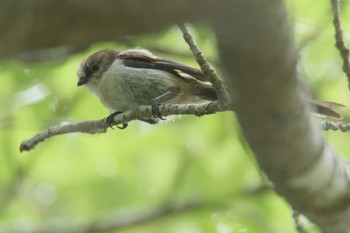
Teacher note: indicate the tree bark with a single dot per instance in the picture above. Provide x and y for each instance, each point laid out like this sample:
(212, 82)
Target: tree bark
(40, 24)
(257, 48)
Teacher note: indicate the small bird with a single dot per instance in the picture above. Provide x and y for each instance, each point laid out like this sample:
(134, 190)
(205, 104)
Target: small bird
(123, 80)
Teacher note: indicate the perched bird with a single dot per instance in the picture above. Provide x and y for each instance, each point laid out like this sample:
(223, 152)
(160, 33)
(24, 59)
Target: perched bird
(128, 79)
(123, 80)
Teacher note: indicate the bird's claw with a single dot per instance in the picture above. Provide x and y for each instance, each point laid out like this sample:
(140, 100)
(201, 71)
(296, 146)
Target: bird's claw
(155, 111)
(110, 121)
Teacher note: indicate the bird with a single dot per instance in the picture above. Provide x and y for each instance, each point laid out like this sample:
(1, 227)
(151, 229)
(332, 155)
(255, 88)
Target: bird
(123, 80)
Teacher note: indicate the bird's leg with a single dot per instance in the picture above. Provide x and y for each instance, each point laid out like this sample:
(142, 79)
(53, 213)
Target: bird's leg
(161, 99)
(110, 121)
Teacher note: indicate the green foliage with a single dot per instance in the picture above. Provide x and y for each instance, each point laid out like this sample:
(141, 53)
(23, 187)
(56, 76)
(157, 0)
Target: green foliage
(73, 180)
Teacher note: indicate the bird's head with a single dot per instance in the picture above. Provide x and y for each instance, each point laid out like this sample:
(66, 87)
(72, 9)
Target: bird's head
(92, 68)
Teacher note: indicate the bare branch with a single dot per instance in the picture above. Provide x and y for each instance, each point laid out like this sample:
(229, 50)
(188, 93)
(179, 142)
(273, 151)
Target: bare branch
(82, 127)
(330, 125)
(343, 50)
(101, 126)
(208, 70)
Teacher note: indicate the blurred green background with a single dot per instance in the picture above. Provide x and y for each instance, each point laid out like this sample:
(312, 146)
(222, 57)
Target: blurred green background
(192, 175)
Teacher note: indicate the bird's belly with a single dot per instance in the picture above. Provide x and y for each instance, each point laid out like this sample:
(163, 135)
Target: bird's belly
(107, 98)
(114, 102)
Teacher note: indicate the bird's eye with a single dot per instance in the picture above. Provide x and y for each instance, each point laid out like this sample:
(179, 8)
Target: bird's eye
(94, 67)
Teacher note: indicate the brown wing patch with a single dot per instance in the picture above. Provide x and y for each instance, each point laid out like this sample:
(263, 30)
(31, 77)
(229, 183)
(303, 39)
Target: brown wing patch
(145, 59)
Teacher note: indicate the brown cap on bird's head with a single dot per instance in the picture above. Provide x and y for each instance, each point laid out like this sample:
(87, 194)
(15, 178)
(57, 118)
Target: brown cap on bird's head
(95, 65)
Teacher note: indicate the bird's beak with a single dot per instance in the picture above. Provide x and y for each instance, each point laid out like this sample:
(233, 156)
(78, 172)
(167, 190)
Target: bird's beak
(82, 80)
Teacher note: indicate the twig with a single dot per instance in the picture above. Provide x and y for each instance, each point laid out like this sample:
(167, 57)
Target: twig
(101, 126)
(329, 125)
(207, 69)
(119, 222)
(340, 45)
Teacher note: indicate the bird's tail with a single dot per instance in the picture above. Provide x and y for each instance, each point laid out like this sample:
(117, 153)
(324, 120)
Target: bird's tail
(327, 108)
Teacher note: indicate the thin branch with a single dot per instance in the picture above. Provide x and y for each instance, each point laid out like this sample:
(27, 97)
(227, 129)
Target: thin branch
(207, 69)
(101, 126)
(343, 50)
(118, 222)
(330, 125)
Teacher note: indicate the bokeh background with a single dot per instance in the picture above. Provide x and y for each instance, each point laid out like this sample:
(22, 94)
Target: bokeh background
(189, 175)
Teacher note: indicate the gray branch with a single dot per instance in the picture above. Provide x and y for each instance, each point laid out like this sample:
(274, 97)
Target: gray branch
(101, 126)
(340, 44)
(208, 70)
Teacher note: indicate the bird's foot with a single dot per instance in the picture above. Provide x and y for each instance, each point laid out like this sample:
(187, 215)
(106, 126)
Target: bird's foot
(155, 111)
(161, 99)
(110, 121)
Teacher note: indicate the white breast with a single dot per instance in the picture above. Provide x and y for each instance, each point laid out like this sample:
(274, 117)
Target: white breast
(122, 88)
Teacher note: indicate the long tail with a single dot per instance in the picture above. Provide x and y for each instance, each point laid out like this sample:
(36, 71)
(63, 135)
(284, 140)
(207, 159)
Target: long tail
(327, 108)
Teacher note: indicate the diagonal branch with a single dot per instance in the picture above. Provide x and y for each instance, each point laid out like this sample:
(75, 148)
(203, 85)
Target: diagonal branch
(340, 44)
(208, 70)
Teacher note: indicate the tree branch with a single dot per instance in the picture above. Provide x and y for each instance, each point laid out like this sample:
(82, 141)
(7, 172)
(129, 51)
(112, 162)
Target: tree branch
(340, 45)
(207, 69)
(101, 126)
(329, 125)
(89, 22)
